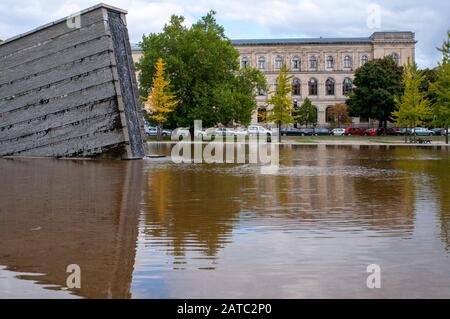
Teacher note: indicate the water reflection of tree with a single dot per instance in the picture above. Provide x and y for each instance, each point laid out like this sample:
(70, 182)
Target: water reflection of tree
(192, 208)
(436, 164)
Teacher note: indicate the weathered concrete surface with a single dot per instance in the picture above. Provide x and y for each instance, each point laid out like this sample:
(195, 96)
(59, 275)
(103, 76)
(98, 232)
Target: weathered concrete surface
(68, 89)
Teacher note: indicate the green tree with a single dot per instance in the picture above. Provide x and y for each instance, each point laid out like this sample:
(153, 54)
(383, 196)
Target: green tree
(412, 107)
(377, 83)
(203, 68)
(307, 114)
(281, 112)
(339, 114)
(160, 101)
(441, 89)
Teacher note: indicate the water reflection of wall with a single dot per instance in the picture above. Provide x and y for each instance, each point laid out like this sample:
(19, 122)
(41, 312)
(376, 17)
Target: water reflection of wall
(54, 213)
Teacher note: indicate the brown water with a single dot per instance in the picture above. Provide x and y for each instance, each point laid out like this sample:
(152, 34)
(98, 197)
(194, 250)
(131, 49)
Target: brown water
(155, 229)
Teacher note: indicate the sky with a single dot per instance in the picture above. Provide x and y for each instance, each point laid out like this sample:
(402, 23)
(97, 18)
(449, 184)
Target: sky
(242, 19)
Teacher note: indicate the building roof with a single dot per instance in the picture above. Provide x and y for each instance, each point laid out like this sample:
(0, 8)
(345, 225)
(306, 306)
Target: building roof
(376, 37)
(287, 41)
(356, 40)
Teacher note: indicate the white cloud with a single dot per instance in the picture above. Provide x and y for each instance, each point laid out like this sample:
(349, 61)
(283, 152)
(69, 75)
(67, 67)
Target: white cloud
(264, 18)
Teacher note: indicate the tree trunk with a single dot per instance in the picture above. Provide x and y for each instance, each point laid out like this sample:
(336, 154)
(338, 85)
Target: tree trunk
(279, 131)
(159, 132)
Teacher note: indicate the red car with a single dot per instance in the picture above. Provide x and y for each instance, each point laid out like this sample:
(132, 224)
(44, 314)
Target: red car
(371, 132)
(354, 131)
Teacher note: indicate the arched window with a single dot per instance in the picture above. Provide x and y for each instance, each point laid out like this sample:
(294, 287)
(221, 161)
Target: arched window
(296, 87)
(347, 62)
(262, 63)
(312, 85)
(396, 58)
(330, 62)
(313, 62)
(262, 115)
(364, 59)
(329, 87)
(347, 86)
(278, 62)
(244, 62)
(295, 63)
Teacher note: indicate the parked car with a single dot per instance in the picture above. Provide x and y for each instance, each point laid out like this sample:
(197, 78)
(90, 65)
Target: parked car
(206, 133)
(241, 131)
(354, 131)
(150, 131)
(257, 130)
(153, 131)
(438, 131)
(420, 131)
(290, 131)
(180, 133)
(390, 131)
(338, 131)
(223, 132)
(307, 132)
(371, 132)
(322, 132)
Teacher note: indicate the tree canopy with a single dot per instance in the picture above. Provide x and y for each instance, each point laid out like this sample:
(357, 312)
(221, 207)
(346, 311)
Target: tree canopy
(377, 83)
(307, 113)
(413, 106)
(160, 102)
(281, 112)
(203, 68)
(441, 89)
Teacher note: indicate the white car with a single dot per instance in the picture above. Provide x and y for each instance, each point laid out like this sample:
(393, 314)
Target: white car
(241, 131)
(338, 131)
(180, 134)
(257, 130)
(420, 131)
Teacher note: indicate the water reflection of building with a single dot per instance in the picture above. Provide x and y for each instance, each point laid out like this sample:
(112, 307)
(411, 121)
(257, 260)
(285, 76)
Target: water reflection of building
(330, 186)
(55, 213)
(197, 207)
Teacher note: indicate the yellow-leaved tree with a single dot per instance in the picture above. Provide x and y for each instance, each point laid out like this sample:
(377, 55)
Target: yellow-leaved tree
(412, 107)
(160, 101)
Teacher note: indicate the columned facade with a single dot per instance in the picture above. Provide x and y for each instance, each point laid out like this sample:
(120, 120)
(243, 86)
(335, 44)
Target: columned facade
(321, 69)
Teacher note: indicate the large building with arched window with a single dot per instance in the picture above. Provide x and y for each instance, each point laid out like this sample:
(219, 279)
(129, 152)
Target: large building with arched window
(322, 69)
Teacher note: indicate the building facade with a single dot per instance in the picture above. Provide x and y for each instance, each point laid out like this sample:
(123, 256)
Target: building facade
(322, 69)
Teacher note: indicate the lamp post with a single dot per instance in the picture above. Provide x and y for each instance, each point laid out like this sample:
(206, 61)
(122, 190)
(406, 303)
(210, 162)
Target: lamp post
(296, 112)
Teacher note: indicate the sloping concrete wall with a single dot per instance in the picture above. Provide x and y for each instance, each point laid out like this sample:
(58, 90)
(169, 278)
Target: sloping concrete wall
(68, 89)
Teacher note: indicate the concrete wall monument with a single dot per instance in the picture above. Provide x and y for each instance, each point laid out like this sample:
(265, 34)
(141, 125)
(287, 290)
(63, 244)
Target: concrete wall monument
(68, 89)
